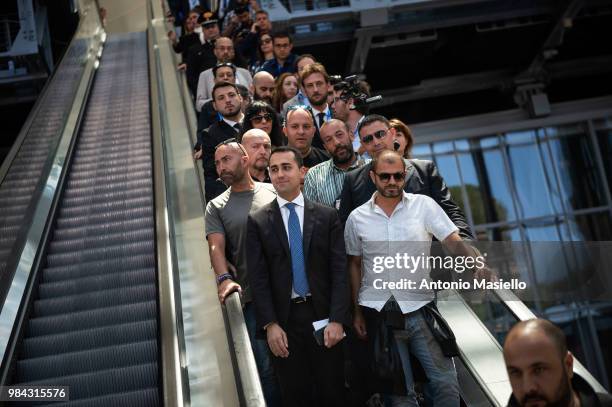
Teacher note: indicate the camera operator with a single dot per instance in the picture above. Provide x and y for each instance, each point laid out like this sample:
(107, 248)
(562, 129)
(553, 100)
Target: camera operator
(350, 106)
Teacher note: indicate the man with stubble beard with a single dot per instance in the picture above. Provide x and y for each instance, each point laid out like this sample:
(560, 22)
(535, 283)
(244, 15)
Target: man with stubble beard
(323, 183)
(258, 146)
(541, 369)
(228, 102)
(315, 82)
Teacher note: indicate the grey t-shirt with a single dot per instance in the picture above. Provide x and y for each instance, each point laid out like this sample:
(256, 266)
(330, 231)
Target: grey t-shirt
(227, 214)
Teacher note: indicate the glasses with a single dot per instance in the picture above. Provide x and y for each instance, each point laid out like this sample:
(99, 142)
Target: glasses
(261, 117)
(266, 40)
(385, 177)
(370, 137)
(230, 141)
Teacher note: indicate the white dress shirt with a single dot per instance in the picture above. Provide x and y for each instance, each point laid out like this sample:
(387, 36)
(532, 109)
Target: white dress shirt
(326, 112)
(299, 210)
(370, 233)
(232, 123)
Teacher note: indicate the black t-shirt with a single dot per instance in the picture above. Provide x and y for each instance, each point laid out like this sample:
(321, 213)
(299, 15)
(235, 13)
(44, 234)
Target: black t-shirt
(316, 156)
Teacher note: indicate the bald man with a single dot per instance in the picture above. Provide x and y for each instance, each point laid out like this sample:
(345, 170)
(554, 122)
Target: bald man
(258, 146)
(226, 231)
(263, 86)
(540, 369)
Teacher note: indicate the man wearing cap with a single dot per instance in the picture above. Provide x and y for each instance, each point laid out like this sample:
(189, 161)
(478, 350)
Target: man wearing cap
(224, 52)
(201, 57)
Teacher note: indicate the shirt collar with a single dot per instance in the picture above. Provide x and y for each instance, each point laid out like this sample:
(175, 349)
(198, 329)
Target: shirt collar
(326, 111)
(299, 200)
(230, 122)
(355, 164)
(404, 201)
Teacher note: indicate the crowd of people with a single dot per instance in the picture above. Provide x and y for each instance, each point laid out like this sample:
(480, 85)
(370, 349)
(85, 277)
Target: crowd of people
(299, 176)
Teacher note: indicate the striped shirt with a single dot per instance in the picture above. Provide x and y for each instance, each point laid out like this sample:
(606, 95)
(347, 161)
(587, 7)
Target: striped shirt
(323, 182)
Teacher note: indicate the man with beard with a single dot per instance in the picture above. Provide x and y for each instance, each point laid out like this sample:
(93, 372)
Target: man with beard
(300, 130)
(263, 87)
(540, 369)
(422, 176)
(323, 183)
(226, 230)
(390, 222)
(258, 146)
(315, 82)
(228, 103)
(347, 109)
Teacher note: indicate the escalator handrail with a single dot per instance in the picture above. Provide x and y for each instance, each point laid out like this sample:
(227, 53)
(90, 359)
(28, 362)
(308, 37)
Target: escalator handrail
(245, 369)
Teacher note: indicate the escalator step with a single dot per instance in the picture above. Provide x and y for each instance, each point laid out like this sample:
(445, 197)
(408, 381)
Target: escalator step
(107, 207)
(117, 250)
(68, 364)
(104, 382)
(104, 336)
(83, 231)
(98, 267)
(105, 197)
(107, 188)
(140, 398)
(146, 213)
(94, 283)
(98, 299)
(91, 319)
(93, 241)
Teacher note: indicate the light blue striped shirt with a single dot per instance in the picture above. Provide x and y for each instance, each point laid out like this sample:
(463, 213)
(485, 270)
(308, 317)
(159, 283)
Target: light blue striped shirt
(323, 182)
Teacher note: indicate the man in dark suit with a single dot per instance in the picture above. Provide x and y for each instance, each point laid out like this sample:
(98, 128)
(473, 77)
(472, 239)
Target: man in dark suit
(422, 176)
(227, 102)
(296, 265)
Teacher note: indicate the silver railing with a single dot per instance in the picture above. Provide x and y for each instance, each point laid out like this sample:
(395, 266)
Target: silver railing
(217, 356)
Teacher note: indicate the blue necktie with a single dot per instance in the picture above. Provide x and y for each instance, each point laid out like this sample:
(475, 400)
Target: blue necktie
(300, 282)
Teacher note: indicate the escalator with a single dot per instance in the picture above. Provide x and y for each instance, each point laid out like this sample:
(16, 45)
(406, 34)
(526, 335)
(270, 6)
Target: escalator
(93, 321)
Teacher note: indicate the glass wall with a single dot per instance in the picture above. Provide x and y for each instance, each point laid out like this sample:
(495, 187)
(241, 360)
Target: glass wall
(543, 184)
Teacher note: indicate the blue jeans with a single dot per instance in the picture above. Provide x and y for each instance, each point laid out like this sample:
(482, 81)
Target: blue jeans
(262, 359)
(417, 339)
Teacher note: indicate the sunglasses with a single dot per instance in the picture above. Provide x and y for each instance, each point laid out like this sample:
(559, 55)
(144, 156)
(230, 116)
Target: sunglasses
(370, 137)
(230, 141)
(397, 176)
(261, 117)
(266, 40)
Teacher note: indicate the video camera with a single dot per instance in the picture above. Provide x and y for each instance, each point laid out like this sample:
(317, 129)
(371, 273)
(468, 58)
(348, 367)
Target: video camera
(351, 87)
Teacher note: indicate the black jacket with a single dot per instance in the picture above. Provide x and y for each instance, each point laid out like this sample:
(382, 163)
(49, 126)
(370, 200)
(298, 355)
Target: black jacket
(209, 138)
(269, 264)
(588, 397)
(200, 57)
(422, 178)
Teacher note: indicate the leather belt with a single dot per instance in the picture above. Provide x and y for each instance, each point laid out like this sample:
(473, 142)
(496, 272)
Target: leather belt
(300, 300)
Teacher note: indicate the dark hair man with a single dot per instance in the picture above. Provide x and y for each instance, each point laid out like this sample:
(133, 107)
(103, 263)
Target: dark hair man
(323, 182)
(301, 63)
(540, 369)
(298, 277)
(258, 146)
(284, 59)
(300, 130)
(201, 57)
(228, 103)
(226, 230)
(402, 221)
(422, 176)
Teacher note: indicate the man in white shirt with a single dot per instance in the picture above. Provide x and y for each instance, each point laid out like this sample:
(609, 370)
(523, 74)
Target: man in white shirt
(390, 222)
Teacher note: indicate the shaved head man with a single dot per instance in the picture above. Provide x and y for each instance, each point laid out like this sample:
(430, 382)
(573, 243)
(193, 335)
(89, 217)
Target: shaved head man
(540, 368)
(258, 146)
(263, 86)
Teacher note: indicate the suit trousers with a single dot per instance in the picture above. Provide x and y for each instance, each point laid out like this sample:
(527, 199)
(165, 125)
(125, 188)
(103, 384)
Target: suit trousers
(312, 375)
